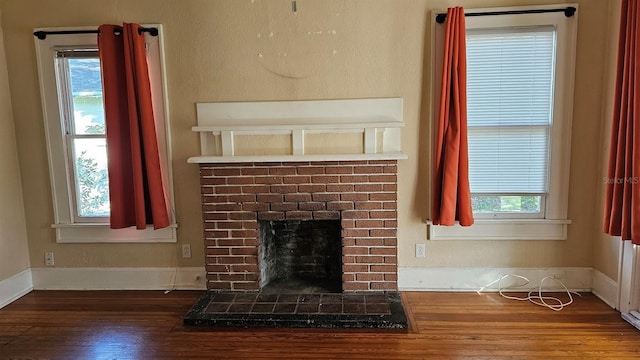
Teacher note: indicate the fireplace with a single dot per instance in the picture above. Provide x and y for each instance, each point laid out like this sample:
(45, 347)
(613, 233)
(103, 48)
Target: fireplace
(299, 208)
(357, 197)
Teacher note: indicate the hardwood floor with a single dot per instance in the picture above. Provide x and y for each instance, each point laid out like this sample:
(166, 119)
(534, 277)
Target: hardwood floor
(148, 325)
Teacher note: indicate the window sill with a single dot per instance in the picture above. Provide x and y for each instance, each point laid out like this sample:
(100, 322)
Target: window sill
(503, 229)
(101, 233)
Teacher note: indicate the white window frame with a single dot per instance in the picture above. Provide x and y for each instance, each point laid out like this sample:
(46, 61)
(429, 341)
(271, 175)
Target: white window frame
(554, 224)
(68, 228)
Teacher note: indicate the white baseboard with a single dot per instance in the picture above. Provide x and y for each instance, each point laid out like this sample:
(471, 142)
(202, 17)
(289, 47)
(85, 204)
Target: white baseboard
(15, 287)
(473, 279)
(190, 278)
(605, 288)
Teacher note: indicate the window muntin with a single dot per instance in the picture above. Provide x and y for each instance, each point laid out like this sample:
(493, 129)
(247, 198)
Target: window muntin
(510, 89)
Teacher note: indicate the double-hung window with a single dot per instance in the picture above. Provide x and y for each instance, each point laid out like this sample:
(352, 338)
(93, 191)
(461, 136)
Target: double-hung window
(519, 109)
(71, 91)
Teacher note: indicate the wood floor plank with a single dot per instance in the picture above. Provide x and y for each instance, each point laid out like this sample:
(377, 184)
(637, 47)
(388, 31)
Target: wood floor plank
(148, 325)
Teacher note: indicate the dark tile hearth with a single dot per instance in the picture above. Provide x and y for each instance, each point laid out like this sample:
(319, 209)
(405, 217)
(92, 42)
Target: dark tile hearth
(359, 310)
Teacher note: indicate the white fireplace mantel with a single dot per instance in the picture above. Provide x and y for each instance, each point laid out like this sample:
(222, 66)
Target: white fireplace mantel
(378, 120)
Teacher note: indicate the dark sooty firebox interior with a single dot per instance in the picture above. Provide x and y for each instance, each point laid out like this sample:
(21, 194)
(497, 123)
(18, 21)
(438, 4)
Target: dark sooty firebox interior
(301, 256)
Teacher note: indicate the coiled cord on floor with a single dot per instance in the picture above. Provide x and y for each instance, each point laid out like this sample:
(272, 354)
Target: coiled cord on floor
(534, 296)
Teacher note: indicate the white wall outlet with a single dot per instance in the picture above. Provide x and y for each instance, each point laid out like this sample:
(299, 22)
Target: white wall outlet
(48, 258)
(186, 250)
(420, 250)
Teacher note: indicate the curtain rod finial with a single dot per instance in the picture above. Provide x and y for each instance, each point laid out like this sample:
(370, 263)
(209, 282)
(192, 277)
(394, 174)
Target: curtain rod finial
(440, 18)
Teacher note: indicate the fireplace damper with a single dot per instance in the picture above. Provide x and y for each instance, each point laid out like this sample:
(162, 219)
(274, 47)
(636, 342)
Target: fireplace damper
(301, 256)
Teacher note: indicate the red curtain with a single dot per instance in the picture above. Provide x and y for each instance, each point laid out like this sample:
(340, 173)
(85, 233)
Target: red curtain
(135, 179)
(451, 193)
(622, 199)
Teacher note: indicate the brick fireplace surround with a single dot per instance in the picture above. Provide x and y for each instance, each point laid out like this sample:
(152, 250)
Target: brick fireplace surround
(361, 194)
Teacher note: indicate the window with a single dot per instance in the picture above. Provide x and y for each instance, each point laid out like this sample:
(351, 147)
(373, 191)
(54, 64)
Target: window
(71, 90)
(519, 107)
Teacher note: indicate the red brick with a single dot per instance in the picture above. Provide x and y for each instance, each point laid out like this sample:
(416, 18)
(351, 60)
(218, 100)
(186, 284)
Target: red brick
(383, 178)
(283, 206)
(355, 286)
(354, 197)
(244, 251)
(271, 215)
(242, 198)
(338, 170)
(325, 197)
(388, 214)
(214, 199)
(383, 232)
(370, 277)
(213, 181)
(269, 198)
(310, 188)
(227, 207)
(253, 285)
(356, 179)
(325, 179)
(205, 171)
(393, 169)
(269, 180)
(283, 189)
(367, 169)
(355, 268)
(217, 251)
(311, 170)
(312, 206)
(217, 234)
(209, 216)
(391, 223)
(339, 188)
(390, 187)
(368, 205)
(255, 171)
(355, 232)
(383, 268)
(229, 225)
(382, 162)
(230, 260)
(389, 205)
(370, 242)
(391, 242)
(391, 259)
(383, 196)
(231, 277)
(206, 190)
(370, 259)
(348, 277)
(298, 215)
(326, 215)
(390, 277)
(353, 162)
(355, 250)
(355, 214)
(366, 188)
(386, 285)
(230, 242)
(369, 224)
(282, 170)
(340, 205)
(244, 233)
(226, 172)
(297, 197)
(244, 268)
(347, 223)
(348, 260)
(255, 189)
(348, 242)
(382, 251)
(217, 268)
(228, 189)
(240, 180)
(255, 207)
(297, 180)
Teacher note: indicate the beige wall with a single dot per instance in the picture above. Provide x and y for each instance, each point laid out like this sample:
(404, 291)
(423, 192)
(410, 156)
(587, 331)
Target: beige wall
(330, 49)
(14, 253)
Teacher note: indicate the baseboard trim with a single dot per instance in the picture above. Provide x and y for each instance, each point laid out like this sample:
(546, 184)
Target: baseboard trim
(15, 287)
(474, 279)
(164, 278)
(605, 288)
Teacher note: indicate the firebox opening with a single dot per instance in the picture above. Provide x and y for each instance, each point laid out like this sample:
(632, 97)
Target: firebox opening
(301, 256)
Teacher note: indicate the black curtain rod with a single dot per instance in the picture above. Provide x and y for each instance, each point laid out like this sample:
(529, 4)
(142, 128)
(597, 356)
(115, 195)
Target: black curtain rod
(43, 34)
(568, 12)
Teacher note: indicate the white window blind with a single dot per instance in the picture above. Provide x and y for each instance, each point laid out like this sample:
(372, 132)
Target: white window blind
(510, 77)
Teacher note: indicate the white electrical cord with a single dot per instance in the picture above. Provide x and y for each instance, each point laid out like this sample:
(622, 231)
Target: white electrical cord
(538, 299)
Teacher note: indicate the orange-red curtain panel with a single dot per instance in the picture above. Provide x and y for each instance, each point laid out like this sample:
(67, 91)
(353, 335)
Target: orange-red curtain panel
(451, 193)
(135, 179)
(622, 199)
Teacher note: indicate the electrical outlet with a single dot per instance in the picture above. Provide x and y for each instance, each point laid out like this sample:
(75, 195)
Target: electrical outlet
(420, 250)
(48, 258)
(186, 250)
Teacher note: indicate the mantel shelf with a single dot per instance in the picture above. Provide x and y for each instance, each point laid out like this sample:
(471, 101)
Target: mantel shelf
(226, 126)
